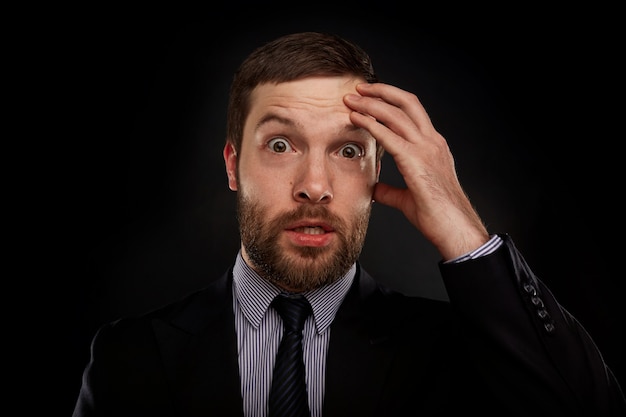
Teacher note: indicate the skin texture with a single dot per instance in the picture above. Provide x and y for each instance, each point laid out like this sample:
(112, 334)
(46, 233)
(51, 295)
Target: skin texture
(303, 163)
(433, 200)
(308, 159)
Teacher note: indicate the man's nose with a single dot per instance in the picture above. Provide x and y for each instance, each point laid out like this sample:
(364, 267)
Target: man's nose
(313, 184)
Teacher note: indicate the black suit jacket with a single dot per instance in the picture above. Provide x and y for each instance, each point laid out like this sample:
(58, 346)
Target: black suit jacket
(501, 345)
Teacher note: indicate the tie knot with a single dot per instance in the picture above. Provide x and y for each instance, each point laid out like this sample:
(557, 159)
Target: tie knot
(293, 309)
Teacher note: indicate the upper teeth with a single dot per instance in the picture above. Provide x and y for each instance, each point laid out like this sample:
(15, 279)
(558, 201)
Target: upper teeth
(310, 230)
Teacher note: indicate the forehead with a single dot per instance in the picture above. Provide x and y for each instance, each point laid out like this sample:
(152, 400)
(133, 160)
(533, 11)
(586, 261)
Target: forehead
(314, 94)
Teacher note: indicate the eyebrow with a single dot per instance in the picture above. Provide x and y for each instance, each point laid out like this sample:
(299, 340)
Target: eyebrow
(273, 117)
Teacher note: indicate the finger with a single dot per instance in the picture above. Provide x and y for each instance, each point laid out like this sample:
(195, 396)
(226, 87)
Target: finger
(389, 115)
(408, 102)
(393, 143)
(389, 195)
(403, 104)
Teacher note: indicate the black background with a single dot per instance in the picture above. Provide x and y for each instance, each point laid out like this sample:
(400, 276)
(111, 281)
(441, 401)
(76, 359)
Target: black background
(140, 211)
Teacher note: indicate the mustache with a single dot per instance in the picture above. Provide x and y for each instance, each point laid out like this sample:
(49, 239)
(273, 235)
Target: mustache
(318, 212)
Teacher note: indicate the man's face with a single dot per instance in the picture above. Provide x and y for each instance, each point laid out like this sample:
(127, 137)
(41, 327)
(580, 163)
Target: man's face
(305, 177)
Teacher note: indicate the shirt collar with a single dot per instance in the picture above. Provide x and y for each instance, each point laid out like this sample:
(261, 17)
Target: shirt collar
(254, 295)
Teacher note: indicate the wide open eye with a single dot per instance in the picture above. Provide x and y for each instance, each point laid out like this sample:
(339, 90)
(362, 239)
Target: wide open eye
(351, 151)
(279, 145)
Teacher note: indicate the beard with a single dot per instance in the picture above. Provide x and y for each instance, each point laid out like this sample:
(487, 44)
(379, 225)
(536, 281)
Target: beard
(310, 267)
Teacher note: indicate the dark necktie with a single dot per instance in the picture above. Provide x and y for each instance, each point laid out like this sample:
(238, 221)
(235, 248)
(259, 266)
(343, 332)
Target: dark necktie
(288, 396)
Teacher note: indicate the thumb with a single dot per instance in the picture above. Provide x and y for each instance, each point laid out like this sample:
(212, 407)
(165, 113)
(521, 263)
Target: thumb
(389, 195)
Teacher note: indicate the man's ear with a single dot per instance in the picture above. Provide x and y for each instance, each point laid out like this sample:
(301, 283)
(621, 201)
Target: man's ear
(230, 160)
(378, 166)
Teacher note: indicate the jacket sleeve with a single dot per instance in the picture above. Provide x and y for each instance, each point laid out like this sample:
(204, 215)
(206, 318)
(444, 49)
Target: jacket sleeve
(523, 341)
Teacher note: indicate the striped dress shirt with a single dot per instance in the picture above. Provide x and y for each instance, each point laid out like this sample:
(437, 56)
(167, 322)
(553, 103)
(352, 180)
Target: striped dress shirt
(259, 330)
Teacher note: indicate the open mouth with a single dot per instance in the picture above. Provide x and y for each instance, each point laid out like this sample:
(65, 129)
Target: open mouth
(310, 230)
(311, 233)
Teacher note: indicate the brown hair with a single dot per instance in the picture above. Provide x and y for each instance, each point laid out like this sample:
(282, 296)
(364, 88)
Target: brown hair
(288, 58)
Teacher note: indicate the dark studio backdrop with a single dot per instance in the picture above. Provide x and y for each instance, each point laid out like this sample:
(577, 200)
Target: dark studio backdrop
(523, 106)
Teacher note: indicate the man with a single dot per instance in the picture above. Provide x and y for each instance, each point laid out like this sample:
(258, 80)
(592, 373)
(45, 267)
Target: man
(308, 123)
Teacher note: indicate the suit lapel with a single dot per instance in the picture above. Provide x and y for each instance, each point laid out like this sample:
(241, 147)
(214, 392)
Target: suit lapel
(199, 351)
(199, 348)
(360, 352)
